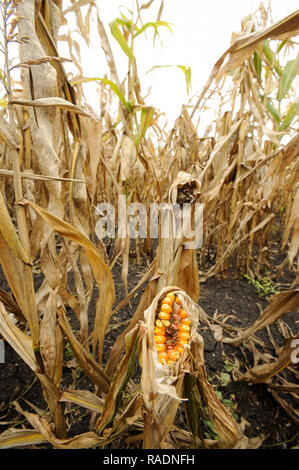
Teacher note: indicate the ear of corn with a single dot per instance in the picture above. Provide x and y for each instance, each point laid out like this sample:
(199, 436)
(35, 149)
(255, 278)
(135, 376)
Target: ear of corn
(172, 329)
(173, 372)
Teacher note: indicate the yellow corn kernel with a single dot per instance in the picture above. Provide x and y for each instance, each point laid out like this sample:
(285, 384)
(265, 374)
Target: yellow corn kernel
(180, 348)
(166, 308)
(160, 339)
(163, 357)
(183, 313)
(164, 316)
(167, 300)
(183, 335)
(182, 342)
(159, 324)
(178, 300)
(160, 347)
(171, 295)
(159, 331)
(186, 321)
(165, 323)
(184, 327)
(173, 355)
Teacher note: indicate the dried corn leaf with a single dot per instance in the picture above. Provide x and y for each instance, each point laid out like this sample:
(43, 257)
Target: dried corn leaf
(21, 285)
(9, 233)
(81, 441)
(53, 101)
(92, 369)
(33, 176)
(100, 270)
(20, 437)
(23, 346)
(41, 60)
(222, 420)
(279, 305)
(248, 442)
(130, 416)
(10, 304)
(243, 48)
(18, 340)
(83, 398)
(119, 380)
(292, 412)
(263, 372)
(75, 6)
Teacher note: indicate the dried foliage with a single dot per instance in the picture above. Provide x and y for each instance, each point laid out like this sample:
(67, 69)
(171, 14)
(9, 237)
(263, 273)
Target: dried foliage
(59, 160)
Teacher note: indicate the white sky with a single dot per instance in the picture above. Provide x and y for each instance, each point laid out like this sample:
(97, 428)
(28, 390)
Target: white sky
(201, 33)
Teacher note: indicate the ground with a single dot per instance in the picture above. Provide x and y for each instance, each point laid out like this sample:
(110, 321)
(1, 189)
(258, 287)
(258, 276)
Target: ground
(233, 301)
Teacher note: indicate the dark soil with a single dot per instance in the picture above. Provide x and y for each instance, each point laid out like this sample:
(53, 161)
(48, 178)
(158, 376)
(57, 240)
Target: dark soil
(233, 301)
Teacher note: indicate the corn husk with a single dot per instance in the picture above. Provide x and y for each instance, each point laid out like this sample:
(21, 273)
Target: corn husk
(164, 387)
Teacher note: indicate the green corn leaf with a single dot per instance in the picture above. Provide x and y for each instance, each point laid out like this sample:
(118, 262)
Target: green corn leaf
(291, 114)
(281, 45)
(115, 88)
(187, 72)
(274, 113)
(257, 62)
(268, 52)
(145, 120)
(118, 93)
(270, 56)
(120, 38)
(154, 25)
(287, 77)
(185, 69)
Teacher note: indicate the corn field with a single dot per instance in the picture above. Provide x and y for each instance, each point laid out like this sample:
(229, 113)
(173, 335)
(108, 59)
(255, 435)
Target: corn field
(63, 164)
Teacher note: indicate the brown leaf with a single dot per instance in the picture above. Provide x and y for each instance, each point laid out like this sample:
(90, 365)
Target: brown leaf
(83, 398)
(92, 369)
(12, 438)
(279, 305)
(81, 441)
(18, 340)
(9, 233)
(222, 420)
(119, 380)
(263, 372)
(100, 270)
(53, 101)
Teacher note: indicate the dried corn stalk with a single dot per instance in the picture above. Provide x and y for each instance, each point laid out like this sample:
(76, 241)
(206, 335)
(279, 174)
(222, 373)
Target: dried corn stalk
(164, 383)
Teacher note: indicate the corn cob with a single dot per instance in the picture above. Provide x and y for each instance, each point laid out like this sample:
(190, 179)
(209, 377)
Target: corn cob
(172, 329)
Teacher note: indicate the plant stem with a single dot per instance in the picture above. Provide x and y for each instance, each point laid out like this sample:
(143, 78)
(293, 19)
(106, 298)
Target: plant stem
(31, 314)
